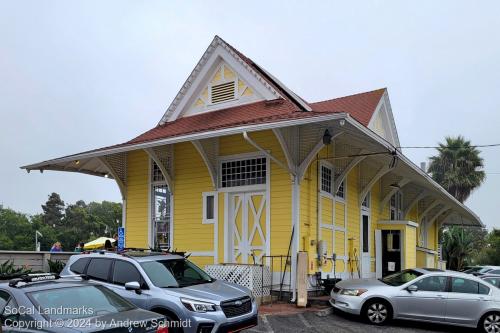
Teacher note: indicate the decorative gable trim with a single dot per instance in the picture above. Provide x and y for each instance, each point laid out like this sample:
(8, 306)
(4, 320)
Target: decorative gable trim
(216, 50)
(384, 111)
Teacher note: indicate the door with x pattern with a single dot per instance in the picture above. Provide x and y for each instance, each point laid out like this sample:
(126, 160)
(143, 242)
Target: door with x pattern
(248, 227)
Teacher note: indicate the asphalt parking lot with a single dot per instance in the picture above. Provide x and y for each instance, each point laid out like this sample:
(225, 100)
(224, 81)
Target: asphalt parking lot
(338, 322)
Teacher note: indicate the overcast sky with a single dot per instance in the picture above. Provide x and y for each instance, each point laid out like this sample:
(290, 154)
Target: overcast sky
(77, 75)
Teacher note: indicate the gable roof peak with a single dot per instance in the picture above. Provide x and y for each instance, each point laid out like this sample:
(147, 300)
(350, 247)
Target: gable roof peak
(271, 87)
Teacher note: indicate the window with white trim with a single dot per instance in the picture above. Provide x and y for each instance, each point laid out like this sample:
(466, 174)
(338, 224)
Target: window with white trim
(209, 207)
(326, 179)
(160, 209)
(243, 172)
(396, 206)
(366, 201)
(422, 239)
(341, 191)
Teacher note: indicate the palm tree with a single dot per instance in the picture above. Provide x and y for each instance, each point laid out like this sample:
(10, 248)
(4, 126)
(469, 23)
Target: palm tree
(457, 245)
(457, 167)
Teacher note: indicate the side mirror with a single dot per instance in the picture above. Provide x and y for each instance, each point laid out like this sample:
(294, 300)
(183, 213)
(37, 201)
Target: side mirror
(133, 285)
(413, 288)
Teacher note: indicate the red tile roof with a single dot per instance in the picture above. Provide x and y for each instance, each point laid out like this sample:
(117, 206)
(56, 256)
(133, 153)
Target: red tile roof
(360, 106)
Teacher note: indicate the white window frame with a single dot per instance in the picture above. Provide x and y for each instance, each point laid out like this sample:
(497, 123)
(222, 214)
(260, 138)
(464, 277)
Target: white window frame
(397, 208)
(343, 183)
(151, 226)
(423, 232)
(206, 220)
(328, 166)
(367, 199)
(243, 188)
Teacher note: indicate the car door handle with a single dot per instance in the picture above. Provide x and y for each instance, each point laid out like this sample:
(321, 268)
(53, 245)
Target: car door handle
(440, 296)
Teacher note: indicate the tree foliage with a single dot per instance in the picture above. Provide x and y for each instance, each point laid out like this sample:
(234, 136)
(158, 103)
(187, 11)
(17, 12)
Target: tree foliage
(68, 224)
(458, 167)
(490, 254)
(458, 245)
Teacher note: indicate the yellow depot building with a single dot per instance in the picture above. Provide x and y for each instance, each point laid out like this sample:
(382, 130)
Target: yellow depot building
(240, 168)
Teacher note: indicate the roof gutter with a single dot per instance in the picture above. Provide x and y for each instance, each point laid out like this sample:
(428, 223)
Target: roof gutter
(188, 137)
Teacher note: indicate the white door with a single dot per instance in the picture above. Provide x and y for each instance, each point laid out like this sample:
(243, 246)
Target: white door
(247, 227)
(365, 245)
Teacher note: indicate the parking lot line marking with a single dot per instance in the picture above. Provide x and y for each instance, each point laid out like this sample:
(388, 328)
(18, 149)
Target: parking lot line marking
(304, 320)
(267, 325)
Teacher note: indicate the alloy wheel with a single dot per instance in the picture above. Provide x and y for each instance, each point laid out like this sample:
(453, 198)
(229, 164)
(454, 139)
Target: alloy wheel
(377, 313)
(491, 323)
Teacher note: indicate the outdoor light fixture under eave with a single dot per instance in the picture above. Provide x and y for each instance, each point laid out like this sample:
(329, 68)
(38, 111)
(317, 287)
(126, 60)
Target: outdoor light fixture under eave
(327, 137)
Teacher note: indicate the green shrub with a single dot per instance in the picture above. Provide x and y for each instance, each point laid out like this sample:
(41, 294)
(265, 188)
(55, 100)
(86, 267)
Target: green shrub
(7, 270)
(55, 266)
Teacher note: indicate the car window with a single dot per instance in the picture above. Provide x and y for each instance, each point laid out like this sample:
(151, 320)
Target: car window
(175, 273)
(78, 266)
(483, 290)
(495, 271)
(92, 301)
(99, 269)
(432, 283)
(466, 286)
(493, 281)
(401, 278)
(4, 298)
(124, 272)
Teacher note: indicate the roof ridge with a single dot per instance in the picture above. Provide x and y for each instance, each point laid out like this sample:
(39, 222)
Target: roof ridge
(352, 95)
(288, 93)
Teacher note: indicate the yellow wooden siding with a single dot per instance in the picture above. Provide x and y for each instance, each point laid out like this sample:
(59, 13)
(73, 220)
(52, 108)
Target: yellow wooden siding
(137, 209)
(410, 237)
(353, 215)
(191, 180)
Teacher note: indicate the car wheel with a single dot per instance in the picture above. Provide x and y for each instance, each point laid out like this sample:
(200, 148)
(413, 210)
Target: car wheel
(377, 312)
(490, 323)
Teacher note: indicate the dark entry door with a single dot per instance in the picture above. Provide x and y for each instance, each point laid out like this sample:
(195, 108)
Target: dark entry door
(391, 251)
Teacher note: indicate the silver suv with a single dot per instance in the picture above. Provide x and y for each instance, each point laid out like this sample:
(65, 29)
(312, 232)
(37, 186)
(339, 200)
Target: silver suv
(171, 285)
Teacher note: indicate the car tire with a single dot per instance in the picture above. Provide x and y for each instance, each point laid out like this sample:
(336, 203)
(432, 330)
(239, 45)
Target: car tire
(377, 312)
(490, 323)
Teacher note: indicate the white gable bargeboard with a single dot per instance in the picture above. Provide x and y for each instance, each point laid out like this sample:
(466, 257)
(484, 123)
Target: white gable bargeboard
(219, 65)
(382, 121)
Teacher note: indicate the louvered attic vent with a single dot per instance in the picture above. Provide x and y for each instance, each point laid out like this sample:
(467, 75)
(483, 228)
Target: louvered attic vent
(223, 92)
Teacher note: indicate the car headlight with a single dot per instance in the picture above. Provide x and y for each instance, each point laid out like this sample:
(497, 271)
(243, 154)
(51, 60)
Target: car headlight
(353, 292)
(198, 306)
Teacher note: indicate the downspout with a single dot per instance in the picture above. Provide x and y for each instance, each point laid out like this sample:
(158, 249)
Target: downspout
(295, 211)
(295, 242)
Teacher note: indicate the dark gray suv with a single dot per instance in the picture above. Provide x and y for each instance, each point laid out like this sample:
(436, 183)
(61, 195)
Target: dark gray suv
(173, 286)
(45, 303)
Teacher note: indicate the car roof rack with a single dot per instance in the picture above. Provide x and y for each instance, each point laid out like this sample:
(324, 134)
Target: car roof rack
(41, 277)
(152, 251)
(27, 278)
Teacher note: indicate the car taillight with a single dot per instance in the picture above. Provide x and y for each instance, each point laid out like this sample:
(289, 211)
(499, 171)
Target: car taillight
(162, 329)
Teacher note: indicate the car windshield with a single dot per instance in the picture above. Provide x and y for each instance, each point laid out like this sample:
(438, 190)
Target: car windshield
(78, 302)
(398, 279)
(473, 269)
(176, 273)
(485, 270)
